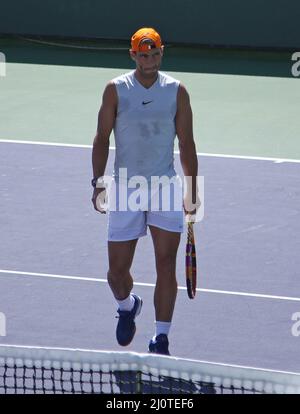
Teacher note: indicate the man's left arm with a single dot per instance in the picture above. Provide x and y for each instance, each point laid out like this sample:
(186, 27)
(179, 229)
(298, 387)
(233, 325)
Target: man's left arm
(187, 149)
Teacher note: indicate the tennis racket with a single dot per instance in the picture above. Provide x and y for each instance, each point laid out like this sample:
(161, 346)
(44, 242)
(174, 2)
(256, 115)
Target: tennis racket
(190, 262)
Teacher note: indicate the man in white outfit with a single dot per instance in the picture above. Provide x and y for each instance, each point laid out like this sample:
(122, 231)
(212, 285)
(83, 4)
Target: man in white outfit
(147, 109)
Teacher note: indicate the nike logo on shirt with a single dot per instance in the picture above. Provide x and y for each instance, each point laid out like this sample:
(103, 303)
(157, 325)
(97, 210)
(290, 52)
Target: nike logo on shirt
(146, 103)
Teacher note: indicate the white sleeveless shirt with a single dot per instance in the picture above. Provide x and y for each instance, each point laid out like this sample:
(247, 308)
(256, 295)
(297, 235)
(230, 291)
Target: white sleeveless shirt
(145, 126)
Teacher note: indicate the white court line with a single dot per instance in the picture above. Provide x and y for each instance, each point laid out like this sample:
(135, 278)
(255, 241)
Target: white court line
(4, 272)
(202, 154)
(53, 144)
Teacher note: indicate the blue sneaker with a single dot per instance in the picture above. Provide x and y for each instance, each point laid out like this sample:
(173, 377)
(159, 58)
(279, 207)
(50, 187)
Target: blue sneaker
(160, 345)
(126, 326)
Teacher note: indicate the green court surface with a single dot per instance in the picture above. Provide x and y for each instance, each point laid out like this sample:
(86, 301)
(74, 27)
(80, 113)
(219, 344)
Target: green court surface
(53, 94)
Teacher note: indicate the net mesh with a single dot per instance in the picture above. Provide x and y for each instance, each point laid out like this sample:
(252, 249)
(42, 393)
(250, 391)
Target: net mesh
(36, 370)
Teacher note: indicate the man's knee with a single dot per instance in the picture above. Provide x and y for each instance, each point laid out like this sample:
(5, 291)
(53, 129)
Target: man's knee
(166, 260)
(117, 273)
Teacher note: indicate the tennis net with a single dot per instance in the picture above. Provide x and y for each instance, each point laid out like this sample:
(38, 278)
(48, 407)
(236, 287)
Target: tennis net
(36, 370)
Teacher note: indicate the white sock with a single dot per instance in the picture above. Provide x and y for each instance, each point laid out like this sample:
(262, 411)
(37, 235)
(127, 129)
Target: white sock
(161, 328)
(126, 304)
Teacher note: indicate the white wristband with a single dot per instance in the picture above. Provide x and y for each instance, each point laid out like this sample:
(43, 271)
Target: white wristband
(100, 183)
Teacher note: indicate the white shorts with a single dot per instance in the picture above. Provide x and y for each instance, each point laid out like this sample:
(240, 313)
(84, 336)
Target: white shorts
(161, 208)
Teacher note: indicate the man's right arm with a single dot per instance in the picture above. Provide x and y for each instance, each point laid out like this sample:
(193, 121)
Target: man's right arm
(106, 121)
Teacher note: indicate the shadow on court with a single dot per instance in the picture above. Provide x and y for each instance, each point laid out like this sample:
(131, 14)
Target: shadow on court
(109, 54)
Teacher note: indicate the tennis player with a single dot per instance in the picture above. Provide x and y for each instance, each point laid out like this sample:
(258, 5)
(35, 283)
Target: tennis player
(146, 108)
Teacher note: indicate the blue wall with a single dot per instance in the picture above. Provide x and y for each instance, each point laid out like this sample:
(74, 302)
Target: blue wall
(254, 23)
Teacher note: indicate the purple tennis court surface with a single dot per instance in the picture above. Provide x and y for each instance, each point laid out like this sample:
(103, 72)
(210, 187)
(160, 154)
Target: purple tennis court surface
(247, 243)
